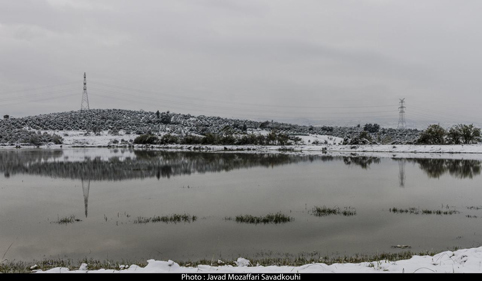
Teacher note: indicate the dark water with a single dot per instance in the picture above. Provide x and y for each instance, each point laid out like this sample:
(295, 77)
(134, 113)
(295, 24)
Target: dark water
(108, 190)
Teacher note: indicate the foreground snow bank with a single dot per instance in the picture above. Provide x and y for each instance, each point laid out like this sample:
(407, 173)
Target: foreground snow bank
(460, 261)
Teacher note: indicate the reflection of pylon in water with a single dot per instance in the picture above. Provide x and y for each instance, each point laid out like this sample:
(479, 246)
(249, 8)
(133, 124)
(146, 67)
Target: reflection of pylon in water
(85, 190)
(401, 172)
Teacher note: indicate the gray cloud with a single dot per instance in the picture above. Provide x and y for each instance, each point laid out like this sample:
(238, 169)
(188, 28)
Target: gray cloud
(245, 59)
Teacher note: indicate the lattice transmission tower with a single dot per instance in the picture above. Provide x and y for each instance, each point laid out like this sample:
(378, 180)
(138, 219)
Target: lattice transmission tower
(401, 118)
(85, 98)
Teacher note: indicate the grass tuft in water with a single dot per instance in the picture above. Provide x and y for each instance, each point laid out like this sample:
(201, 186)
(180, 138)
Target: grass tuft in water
(417, 211)
(324, 211)
(66, 220)
(270, 218)
(175, 218)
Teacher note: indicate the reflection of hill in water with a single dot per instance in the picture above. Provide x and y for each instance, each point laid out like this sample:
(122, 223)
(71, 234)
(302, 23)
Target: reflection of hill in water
(142, 164)
(363, 161)
(147, 164)
(434, 168)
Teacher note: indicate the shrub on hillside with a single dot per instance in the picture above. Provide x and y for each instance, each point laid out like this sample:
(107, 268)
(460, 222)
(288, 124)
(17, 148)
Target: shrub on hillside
(365, 135)
(190, 139)
(463, 134)
(146, 139)
(372, 128)
(56, 139)
(458, 134)
(169, 139)
(434, 134)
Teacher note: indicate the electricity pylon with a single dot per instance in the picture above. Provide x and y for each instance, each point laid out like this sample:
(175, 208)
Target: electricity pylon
(401, 118)
(85, 98)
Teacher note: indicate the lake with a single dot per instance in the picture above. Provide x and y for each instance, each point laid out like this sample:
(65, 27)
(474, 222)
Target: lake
(114, 196)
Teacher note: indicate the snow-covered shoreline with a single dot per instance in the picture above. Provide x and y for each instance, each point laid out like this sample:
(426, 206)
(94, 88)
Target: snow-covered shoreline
(78, 139)
(460, 261)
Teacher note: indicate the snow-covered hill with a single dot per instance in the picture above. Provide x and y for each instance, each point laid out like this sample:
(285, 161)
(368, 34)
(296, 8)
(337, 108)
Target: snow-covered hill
(49, 127)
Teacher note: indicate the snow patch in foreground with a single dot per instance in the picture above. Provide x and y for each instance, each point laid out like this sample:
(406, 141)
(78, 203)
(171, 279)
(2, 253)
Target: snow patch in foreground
(460, 261)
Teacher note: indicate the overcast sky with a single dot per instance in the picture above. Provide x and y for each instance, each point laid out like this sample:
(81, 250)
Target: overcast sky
(250, 59)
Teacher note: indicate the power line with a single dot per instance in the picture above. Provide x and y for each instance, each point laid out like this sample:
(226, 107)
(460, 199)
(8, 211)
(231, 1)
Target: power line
(37, 88)
(174, 101)
(35, 96)
(152, 100)
(39, 99)
(444, 115)
(190, 98)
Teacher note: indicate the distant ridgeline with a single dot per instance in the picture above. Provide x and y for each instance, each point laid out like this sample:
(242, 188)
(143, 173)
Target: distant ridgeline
(144, 122)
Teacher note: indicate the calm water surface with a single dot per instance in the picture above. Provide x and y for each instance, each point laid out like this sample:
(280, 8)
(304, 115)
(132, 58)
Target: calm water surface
(107, 191)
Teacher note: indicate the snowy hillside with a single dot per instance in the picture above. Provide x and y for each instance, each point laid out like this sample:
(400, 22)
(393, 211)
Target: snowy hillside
(54, 126)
